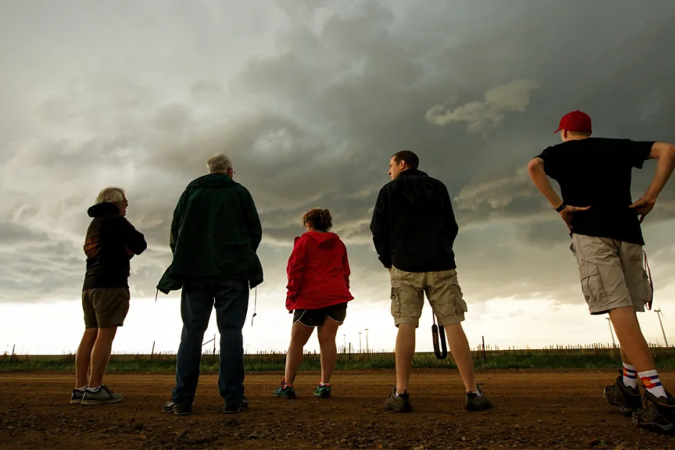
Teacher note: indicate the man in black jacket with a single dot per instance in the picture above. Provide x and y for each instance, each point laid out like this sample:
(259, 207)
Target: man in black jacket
(110, 243)
(414, 229)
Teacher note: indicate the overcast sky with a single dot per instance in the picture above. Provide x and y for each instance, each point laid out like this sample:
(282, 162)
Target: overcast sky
(310, 99)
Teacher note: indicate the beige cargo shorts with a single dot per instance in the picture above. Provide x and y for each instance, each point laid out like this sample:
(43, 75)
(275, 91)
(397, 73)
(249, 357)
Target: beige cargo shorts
(612, 273)
(105, 307)
(441, 288)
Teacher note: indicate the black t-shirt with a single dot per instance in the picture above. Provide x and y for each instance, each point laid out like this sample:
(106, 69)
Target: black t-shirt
(596, 172)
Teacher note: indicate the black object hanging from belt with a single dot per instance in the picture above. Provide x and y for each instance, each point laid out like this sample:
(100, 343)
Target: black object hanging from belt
(438, 336)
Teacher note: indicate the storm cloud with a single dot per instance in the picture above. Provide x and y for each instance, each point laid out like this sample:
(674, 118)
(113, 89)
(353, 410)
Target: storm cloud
(310, 100)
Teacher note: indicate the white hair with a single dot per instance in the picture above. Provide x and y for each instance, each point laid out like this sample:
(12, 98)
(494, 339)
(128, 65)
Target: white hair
(219, 163)
(111, 195)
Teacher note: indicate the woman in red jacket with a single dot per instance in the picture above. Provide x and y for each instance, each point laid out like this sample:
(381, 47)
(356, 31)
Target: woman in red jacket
(318, 292)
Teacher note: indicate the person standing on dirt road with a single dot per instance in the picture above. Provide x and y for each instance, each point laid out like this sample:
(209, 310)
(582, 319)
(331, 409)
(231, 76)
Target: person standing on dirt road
(414, 229)
(215, 234)
(594, 175)
(318, 293)
(110, 244)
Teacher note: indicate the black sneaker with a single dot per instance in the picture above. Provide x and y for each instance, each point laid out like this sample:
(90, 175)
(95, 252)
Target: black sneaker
(477, 402)
(658, 414)
(398, 403)
(100, 396)
(626, 398)
(177, 409)
(76, 397)
(235, 407)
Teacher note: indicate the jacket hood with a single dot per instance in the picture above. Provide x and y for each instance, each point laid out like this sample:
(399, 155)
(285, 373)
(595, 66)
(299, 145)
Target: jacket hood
(103, 209)
(212, 180)
(324, 239)
(416, 192)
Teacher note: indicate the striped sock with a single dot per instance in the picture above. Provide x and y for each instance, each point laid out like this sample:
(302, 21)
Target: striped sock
(629, 376)
(651, 382)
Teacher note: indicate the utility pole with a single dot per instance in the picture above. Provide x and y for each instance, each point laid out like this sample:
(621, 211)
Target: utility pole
(367, 347)
(611, 331)
(658, 313)
(344, 346)
(360, 349)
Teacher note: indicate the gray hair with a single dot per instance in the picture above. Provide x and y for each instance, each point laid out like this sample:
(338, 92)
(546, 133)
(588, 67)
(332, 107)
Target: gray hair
(219, 163)
(111, 195)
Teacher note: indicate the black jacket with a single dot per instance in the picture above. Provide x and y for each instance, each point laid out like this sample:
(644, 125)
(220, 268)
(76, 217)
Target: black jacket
(413, 224)
(110, 243)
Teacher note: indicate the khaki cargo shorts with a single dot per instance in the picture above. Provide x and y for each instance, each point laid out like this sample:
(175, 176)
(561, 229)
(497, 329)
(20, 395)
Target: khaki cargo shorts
(441, 288)
(612, 273)
(105, 307)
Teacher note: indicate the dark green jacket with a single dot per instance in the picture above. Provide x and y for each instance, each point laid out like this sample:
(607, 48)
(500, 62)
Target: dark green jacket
(215, 232)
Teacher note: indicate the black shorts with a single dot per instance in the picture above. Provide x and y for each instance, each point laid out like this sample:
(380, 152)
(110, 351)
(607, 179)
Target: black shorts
(316, 317)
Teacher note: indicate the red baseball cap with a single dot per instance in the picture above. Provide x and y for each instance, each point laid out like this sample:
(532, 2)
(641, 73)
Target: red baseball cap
(575, 121)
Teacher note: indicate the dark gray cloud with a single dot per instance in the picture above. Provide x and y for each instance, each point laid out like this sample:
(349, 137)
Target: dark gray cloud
(317, 99)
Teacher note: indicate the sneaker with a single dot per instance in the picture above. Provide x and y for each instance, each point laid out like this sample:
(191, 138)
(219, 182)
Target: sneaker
(285, 392)
(398, 403)
(177, 409)
(100, 396)
(626, 398)
(322, 392)
(76, 397)
(477, 402)
(235, 407)
(658, 414)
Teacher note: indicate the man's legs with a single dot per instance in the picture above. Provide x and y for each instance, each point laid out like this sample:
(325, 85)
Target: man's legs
(83, 357)
(231, 308)
(407, 301)
(195, 307)
(405, 351)
(100, 355)
(461, 353)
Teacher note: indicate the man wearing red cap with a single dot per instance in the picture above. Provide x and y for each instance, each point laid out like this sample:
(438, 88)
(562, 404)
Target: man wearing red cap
(594, 175)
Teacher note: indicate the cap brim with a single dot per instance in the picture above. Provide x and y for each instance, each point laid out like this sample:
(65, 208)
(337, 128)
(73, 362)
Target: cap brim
(557, 130)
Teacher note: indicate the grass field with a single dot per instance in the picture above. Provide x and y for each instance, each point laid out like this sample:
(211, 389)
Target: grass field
(579, 357)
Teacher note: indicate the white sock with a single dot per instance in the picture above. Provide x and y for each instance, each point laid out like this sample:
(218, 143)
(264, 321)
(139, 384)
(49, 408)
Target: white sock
(94, 389)
(81, 389)
(651, 382)
(629, 376)
(478, 393)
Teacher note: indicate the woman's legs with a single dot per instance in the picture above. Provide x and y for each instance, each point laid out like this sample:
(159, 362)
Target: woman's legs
(327, 335)
(299, 336)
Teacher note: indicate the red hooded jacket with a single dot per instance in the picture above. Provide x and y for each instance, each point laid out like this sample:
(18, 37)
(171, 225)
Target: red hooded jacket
(318, 272)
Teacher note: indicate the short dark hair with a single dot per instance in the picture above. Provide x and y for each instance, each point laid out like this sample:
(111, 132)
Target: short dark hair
(319, 219)
(411, 159)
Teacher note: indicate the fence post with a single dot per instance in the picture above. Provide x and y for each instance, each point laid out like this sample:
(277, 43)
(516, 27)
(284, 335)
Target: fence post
(152, 353)
(11, 358)
(483, 346)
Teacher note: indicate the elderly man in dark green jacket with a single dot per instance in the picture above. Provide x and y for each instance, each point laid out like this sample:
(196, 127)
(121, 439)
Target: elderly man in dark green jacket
(215, 234)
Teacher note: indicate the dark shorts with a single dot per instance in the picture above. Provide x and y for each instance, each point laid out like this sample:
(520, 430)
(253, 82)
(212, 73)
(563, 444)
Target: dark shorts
(105, 307)
(317, 317)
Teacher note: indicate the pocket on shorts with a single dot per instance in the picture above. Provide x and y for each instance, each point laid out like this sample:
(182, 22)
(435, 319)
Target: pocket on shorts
(591, 284)
(395, 296)
(647, 288)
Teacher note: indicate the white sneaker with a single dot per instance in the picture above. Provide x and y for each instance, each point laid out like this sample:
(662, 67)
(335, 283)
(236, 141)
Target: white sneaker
(100, 396)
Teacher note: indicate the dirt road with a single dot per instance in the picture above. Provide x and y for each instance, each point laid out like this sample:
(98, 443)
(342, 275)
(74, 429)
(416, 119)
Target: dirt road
(532, 410)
